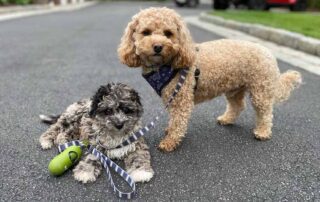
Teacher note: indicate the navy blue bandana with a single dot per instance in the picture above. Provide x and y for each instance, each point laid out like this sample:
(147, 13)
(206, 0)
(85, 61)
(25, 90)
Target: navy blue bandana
(159, 79)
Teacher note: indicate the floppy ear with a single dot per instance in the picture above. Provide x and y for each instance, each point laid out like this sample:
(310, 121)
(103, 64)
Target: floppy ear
(136, 98)
(93, 108)
(98, 96)
(126, 49)
(186, 54)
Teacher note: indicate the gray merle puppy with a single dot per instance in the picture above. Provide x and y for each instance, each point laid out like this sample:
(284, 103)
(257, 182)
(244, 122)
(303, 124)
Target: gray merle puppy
(110, 116)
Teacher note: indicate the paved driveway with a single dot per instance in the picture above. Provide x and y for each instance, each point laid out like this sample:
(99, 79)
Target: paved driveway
(50, 61)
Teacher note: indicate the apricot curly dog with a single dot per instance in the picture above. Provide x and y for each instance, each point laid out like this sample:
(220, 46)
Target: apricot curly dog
(157, 37)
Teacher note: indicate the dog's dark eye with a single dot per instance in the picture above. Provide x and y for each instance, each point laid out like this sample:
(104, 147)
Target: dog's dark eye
(126, 110)
(168, 33)
(146, 32)
(108, 112)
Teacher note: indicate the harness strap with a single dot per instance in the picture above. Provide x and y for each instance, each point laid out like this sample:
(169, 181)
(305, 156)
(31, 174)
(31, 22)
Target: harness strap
(196, 72)
(196, 77)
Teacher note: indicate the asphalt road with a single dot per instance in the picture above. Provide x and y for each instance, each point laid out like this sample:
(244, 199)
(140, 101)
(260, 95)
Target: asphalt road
(49, 61)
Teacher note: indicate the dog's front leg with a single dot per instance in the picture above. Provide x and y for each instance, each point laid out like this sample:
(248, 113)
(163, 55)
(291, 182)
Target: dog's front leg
(47, 138)
(88, 169)
(138, 163)
(179, 112)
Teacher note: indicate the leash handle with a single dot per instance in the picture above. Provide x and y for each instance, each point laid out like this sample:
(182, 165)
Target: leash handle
(107, 164)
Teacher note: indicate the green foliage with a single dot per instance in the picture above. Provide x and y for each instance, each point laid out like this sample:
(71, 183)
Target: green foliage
(4, 2)
(307, 23)
(19, 2)
(314, 4)
(22, 2)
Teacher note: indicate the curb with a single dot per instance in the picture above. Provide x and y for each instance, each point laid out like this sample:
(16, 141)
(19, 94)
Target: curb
(279, 36)
(15, 9)
(39, 10)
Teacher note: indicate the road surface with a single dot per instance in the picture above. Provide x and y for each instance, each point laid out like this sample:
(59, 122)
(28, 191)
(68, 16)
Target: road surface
(49, 61)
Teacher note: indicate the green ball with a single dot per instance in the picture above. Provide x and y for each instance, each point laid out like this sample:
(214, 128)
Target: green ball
(62, 162)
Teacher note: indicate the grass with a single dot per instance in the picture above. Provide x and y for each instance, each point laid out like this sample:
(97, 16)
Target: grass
(303, 23)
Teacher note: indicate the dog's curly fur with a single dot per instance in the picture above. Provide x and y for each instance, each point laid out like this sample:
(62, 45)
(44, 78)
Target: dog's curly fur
(110, 116)
(227, 67)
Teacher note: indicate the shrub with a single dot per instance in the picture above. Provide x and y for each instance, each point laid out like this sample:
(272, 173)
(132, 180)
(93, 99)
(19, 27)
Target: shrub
(4, 2)
(314, 4)
(20, 2)
(23, 2)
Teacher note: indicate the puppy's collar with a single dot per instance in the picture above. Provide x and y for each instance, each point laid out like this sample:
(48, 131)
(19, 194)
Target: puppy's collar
(161, 77)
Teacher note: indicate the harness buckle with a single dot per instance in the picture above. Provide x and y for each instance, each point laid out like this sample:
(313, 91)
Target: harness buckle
(196, 77)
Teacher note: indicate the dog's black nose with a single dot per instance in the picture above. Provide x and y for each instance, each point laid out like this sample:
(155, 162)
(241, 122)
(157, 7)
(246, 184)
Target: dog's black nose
(157, 48)
(119, 125)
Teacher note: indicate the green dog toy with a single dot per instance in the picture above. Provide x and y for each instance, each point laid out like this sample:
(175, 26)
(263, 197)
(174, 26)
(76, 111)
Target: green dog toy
(66, 159)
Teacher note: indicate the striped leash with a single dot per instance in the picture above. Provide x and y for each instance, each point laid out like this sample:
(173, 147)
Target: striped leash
(108, 163)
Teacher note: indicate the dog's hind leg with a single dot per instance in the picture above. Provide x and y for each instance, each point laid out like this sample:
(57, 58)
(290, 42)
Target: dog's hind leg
(263, 104)
(62, 138)
(138, 163)
(236, 103)
(47, 138)
(59, 133)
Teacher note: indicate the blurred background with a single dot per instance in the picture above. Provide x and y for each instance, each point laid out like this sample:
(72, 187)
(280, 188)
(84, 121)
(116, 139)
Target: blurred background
(294, 5)
(56, 52)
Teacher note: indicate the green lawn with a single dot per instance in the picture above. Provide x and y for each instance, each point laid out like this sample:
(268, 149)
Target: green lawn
(304, 23)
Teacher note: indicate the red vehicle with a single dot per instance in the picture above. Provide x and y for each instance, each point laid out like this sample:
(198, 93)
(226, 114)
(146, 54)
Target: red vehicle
(294, 5)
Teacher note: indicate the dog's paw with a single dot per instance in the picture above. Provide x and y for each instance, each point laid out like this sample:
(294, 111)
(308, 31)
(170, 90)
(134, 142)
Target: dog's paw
(141, 175)
(224, 120)
(84, 176)
(168, 145)
(61, 139)
(86, 172)
(262, 134)
(46, 144)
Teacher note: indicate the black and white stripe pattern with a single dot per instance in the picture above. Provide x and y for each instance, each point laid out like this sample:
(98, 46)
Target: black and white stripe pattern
(135, 136)
(62, 147)
(107, 163)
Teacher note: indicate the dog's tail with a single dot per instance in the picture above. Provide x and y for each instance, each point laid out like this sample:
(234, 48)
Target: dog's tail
(49, 119)
(287, 82)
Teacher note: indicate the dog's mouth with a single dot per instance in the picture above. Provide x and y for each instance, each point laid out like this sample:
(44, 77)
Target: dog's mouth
(156, 58)
(157, 55)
